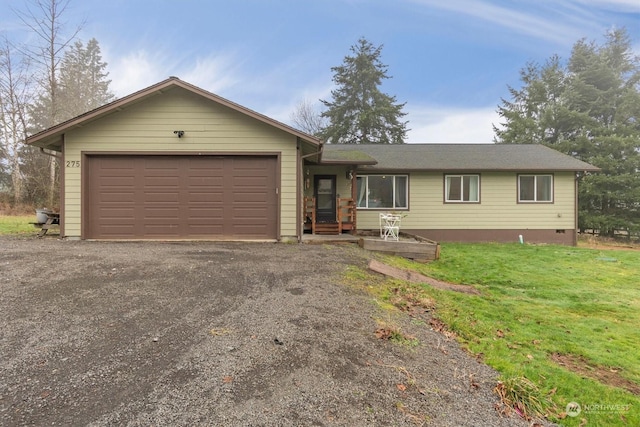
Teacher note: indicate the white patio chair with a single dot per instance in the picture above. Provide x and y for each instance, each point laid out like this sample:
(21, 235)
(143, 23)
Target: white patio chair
(390, 226)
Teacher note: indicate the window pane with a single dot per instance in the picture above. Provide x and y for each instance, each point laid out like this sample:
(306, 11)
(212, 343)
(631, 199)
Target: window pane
(361, 192)
(470, 187)
(453, 188)
(543, 188)
(401, 192)
(325, 193)
(527, 185)
(380, 191)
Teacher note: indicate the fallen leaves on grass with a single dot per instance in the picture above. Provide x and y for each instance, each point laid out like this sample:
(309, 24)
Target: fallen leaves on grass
(410, 300)
(439, 326)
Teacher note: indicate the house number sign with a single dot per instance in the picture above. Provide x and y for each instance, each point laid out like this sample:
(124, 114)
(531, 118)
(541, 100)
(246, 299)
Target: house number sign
(73, 163)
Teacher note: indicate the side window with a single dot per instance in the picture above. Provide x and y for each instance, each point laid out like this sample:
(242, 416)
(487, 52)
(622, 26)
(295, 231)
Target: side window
(462, 188)
(535, 188)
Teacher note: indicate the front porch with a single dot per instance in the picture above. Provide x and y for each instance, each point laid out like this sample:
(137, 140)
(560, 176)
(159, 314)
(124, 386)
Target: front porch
(343, 220)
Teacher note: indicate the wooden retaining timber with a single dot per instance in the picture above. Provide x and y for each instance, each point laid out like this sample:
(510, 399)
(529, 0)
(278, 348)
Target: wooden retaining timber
(414, 277)
(412, 247)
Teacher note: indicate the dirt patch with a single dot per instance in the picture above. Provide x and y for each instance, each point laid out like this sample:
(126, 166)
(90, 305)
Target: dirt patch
(610, 247)
(177, 334)
(607, 243)
(606, 375)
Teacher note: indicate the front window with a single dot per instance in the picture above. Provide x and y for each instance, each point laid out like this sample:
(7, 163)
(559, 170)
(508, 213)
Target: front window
(382, 192)
(462, 188)
(535, 188)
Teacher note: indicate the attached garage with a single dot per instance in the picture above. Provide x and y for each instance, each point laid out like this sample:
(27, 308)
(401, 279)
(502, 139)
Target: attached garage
(181, 197)
(175, 162)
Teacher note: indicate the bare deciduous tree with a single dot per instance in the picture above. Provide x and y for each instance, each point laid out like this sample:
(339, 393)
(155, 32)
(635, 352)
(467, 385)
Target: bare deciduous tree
(14, 98)
(307, 118)
(45, 19)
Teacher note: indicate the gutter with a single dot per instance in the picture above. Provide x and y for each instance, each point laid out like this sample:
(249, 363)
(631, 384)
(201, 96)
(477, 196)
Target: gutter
(51, 154)
(317, 153)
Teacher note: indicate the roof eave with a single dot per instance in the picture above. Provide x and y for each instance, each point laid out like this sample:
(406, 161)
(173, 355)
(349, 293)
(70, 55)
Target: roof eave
(348, 162)
(480, 170)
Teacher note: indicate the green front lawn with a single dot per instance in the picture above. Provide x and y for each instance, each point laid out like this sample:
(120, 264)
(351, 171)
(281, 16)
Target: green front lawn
(567, 319)
(17, 224)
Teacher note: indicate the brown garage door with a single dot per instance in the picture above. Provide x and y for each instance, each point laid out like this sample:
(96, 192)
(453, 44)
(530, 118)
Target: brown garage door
(176, 197)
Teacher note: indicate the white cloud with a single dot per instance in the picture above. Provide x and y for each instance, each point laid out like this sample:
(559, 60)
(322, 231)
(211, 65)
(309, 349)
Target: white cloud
(134, 71)
(139, 69)
(212, 73)
(443, 124)
(614, 5)
(548, 23)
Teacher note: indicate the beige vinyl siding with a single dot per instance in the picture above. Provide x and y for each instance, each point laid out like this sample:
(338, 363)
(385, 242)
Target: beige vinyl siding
(343, 186)
(208, 128)
(498, 207)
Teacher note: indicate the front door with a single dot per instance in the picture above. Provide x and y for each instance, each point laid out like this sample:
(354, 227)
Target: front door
(325, 193)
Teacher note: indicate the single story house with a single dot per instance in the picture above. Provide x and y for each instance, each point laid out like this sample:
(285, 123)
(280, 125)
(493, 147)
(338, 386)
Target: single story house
(174, 161)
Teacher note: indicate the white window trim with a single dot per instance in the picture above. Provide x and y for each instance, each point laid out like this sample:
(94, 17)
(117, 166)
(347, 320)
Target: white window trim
(366, 195)
(460, 175)
(535, 188)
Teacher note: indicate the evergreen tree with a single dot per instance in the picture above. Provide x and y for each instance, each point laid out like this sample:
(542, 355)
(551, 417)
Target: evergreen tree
(359, 112)
(83, 79)
(590, 109)
(82, 85)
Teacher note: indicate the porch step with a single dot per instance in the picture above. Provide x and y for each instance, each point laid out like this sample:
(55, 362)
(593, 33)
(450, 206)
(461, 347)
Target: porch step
(327, 228)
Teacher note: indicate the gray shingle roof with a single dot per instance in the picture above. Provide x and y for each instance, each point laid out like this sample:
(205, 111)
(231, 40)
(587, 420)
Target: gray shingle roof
(458, 157)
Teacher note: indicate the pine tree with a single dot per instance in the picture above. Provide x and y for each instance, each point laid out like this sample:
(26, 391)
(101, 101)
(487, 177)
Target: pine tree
(359, 112)
(82, 85)
(590, 109)
(83, 80)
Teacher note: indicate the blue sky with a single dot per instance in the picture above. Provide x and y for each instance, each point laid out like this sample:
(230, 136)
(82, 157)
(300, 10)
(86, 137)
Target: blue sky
(450, 60)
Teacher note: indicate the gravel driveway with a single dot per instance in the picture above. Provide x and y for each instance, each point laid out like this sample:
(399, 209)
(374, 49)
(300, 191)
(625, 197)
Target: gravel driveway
(180, 334)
